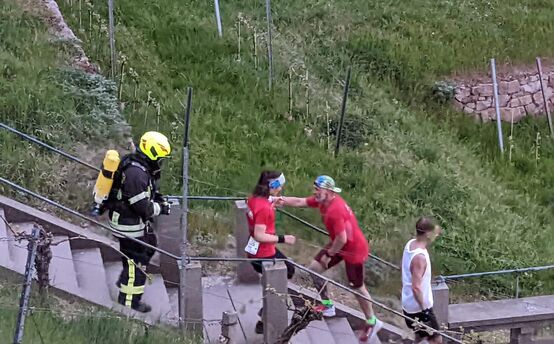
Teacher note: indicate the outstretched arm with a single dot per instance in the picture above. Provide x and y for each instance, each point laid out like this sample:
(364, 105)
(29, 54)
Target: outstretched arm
(299, 202)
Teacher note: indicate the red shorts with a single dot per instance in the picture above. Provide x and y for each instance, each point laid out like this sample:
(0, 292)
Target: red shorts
(355, 273)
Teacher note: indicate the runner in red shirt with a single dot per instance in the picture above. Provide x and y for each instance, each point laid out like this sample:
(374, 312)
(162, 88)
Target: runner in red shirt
(261, 223)
(347, 243)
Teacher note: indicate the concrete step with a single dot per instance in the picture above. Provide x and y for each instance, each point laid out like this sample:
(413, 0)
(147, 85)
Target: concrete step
(18, 249)
(91, 275)
(4, 249)
(173, 294)
(301, 337)
(155, 294)
(375, 339)
(113, 270)
(341, 330)
(62, 270)
(319, 332)
(388, 333)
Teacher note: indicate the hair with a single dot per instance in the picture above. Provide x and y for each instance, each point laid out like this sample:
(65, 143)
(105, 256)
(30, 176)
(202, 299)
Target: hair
(262, 188)
(425, 225)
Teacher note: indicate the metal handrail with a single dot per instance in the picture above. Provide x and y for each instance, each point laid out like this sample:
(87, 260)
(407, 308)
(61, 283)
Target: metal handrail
(491, 273)
(76, 213)
(40, 143)
(204, 198)
(328, 280)
(189, 258)
(306, 223)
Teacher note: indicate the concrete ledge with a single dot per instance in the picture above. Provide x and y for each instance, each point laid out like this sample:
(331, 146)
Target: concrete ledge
(19, 212)
(509, 313)
(355, 318)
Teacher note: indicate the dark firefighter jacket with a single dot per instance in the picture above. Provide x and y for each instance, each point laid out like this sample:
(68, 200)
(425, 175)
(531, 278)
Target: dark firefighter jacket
(134, 195)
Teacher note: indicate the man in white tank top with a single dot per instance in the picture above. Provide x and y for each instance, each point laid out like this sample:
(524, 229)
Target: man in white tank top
(417, 296)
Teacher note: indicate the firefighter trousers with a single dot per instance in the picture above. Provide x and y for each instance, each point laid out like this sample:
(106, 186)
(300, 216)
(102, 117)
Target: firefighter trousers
(132, 279)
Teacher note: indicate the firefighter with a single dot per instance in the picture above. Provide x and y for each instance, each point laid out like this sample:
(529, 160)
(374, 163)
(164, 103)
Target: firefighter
(134, 201)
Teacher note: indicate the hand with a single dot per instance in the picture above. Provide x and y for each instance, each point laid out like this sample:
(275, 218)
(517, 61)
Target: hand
(279, 202)
(425, 315)
(158, 197)
(325, 260)
(165, 208)
(290, 239)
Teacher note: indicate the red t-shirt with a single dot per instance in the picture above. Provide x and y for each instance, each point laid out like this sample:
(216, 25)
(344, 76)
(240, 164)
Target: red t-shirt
(261, 212)
(338, 217)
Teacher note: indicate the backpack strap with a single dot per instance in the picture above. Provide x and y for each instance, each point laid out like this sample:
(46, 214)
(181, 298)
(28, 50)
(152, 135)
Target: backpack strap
(119, 179)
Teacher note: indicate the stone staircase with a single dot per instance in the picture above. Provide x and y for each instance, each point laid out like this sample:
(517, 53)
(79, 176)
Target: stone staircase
(329, 331)
(86, 269)
(86, 266)
(221, 294)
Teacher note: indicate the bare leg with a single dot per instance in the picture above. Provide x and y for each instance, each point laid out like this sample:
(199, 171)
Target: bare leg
(365, 305)
(318, 282)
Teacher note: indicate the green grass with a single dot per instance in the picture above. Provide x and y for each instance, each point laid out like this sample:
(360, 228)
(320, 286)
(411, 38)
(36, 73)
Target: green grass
(402, 155)
(44, 97)
(56, 321)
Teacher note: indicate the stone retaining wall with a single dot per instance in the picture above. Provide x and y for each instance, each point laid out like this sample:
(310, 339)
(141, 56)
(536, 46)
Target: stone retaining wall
(519, 96)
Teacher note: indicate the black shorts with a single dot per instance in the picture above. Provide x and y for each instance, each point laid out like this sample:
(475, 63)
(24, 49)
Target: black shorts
(355, 273)
(421, 332)
(278, 254)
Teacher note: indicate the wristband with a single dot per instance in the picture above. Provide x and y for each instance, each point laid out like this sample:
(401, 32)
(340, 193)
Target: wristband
(280, 239)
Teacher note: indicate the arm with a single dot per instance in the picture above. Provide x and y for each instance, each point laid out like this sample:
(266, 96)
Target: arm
(299, 202)
(417, 268)
(337, 244)
(261, 236)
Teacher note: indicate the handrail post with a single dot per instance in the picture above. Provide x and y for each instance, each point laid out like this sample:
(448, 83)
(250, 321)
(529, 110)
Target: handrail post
(245, 272)
(441, 297)
(230, 328)
(183, 283)
(27, 282)
(193, 302)
(517, 285)
(274, 314)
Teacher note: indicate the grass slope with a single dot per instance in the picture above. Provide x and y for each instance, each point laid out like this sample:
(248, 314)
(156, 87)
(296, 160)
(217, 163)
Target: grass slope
(57, 321)
(402, 157)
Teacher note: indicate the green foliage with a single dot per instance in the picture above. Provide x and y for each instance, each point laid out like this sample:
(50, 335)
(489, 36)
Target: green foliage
(95, 103)
(402, 157)
(44, 97)
(397, 163)
(443, 91)
(58, 322)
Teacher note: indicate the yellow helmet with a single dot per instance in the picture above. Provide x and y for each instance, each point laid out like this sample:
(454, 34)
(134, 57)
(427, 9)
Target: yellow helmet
(154, 145)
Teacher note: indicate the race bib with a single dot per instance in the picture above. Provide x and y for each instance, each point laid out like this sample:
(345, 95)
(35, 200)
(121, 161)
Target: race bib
(252, 246)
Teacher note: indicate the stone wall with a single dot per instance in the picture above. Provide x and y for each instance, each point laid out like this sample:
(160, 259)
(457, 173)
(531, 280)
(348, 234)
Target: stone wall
(519, 95)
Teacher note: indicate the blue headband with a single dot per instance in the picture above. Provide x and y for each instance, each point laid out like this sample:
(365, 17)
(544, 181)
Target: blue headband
(278, 182)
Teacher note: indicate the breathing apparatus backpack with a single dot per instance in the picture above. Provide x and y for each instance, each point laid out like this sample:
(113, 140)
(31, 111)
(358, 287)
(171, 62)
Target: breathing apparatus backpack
(105, 181)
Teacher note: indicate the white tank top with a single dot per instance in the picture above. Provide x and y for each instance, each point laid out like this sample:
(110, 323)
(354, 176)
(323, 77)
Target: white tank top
(409, 302)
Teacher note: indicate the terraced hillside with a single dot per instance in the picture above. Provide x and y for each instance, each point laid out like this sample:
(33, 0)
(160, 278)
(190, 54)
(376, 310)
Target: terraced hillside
(403, 154)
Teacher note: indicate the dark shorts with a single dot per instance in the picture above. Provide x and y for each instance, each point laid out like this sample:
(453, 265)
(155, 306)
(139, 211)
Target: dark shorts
(355, 273)
(423, 333)
(278, 254)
